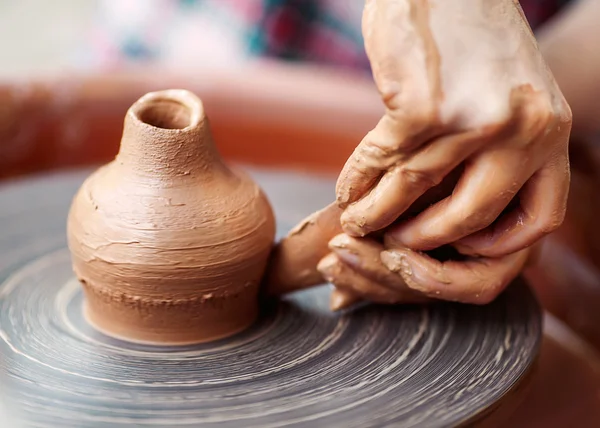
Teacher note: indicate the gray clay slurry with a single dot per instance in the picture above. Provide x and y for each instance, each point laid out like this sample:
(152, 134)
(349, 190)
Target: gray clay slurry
(299, 365)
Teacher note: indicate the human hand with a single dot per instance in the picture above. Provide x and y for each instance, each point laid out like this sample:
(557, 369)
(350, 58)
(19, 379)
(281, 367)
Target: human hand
(361, 269)
(463, 83)
(368, 268)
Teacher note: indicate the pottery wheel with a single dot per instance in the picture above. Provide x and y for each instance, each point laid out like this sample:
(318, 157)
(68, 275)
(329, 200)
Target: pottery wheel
(299, 365)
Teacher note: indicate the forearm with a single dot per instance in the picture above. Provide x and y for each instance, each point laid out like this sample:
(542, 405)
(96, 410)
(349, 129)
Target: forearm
(570, 46)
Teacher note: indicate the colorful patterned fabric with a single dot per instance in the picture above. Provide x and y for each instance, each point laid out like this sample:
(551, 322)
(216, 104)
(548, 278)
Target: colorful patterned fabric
(539, 12)
(189, 33)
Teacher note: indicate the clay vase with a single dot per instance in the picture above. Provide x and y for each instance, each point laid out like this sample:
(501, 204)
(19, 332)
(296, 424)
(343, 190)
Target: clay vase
(168, 242)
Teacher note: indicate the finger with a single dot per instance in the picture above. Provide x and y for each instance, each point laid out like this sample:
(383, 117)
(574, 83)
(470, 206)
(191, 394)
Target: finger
(410, 95)
(343, 277)
(342, 299)
(489, 183)
(396, 34)
(378, 151)
(403, 184)
(543, 203)
(293, 262)
(475, 281)
(364, 257)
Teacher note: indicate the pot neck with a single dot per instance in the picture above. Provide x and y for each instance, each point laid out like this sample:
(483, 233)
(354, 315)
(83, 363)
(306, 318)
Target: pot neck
(166, 134)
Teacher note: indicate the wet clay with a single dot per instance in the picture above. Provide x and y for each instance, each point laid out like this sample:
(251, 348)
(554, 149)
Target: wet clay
(427, 69)
(168, 242)
(294, 263)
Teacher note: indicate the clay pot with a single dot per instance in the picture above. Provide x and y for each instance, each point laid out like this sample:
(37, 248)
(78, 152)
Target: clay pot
(169, 243)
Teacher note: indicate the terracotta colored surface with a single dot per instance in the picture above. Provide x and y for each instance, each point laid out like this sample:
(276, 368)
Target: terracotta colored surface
(169, 243)
(568, 277)
(565, 391)
(265, 115)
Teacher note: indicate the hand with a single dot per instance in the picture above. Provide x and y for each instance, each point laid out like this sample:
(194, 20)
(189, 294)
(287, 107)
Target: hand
(463, 84)
(361, 269)
(355, 268)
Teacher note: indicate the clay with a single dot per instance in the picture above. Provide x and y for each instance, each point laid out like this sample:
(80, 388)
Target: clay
(294, 261)
(427, 70)
(168, 242)
(77, 120)
(294, 264)
(433, 62)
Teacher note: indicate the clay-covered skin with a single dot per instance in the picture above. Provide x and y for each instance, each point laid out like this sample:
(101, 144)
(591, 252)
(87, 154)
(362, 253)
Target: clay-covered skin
(463, 83)
(168, 242)
(317, 250)
(293, 264)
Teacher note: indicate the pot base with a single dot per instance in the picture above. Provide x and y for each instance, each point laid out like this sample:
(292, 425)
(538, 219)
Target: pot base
(171, 324)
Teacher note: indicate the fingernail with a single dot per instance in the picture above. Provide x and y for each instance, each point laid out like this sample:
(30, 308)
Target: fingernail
(343, 196)
(326, 264)
(348, 257)
(353, 224)
(341, 300)
(340, 241)
(329, 267)
(396, 262)
(339, 245)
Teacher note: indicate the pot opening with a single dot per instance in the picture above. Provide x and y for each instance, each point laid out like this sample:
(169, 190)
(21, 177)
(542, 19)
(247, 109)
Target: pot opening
(166, 114)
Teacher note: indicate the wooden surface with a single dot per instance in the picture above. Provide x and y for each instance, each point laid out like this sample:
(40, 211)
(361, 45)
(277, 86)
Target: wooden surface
(439, 366)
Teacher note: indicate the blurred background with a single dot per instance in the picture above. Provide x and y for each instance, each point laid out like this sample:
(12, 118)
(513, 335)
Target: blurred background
(38, 37)
(42, 36)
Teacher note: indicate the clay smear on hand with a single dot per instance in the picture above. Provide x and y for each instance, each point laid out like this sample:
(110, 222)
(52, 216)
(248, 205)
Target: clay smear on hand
(463, 83)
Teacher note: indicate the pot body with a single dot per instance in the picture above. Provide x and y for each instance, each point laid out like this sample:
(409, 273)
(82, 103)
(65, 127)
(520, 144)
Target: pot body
(170, 244)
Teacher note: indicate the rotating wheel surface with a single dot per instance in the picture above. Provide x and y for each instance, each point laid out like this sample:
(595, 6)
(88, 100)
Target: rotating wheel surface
(299, 365)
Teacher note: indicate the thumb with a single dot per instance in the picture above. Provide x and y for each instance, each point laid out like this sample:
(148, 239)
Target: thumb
(293, 262)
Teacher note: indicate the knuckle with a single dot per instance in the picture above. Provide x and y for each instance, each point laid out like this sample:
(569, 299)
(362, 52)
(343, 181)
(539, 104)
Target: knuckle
(489, 292)
(548, 224)
(566, 114)
(423, 113)
(391, 95)
(419, 178)
(539, 116)
(375, 149)
(471, 220)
